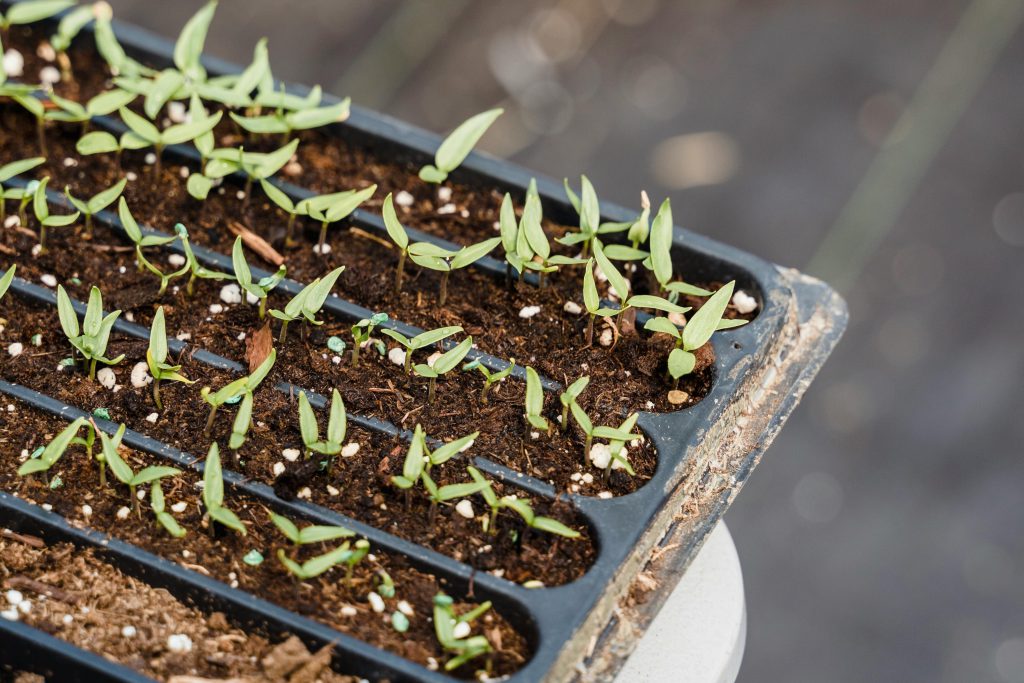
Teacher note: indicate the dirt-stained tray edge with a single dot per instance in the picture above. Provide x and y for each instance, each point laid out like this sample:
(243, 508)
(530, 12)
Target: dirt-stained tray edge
(728, 454)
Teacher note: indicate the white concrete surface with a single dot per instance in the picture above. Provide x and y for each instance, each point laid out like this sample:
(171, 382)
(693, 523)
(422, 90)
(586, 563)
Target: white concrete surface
(700, 633)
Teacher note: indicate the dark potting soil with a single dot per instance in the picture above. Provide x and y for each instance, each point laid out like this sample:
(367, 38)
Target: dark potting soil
(358, 486)
(73, 485)
(76, 596)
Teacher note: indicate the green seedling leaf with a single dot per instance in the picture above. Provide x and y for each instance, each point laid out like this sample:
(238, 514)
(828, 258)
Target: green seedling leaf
(457, 146)
(704, 322)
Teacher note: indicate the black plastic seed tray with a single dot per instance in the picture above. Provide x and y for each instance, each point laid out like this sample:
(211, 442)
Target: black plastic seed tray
(704, 452)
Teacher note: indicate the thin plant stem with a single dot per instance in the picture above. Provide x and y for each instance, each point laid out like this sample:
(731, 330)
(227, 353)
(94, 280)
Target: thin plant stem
(400, 272)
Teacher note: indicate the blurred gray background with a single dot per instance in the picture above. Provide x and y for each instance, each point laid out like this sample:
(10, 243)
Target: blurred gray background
(878, 144)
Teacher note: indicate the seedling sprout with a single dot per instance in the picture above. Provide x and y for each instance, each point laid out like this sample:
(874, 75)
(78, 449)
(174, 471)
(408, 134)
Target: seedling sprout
(457, 146)
(123, 472)
(91, 338)
(433, 257)
(697, 332)
(97, 202)
(8, 171)
(166, 520)
(156, 358)
(337, 425)
(213, 493)
(53, 450)
(421, 340)
(5, 281)
(361, 333)
(398, 235)
(444, 364)
(490, 378)
(569, 396)
(41, 208)
(307, 303)
(235, 390)
(243, 275)
(445, 621)
(309, 534)
(534, 401)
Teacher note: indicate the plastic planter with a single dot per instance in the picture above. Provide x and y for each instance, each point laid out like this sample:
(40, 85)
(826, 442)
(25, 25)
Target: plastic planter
(705, 453)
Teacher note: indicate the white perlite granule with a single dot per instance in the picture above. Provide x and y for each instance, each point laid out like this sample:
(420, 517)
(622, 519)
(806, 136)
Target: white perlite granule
(106, 378)
(527, 312)
(179, 643)
(743, 302)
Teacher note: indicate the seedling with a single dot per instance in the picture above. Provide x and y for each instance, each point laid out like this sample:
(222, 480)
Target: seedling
(204, 142)
(444, 364)
(490, 497)
(89, 440)
(617, 448)
(331, 208)
(310, 534)
(97, 202)
(34, 106)
(697, 332)
(283, 122)
(41, 208)
(307, 303)
(445, 622)
(316, 566)
(227, 160)
(71, 24)
(433, 257)
(166, 520)
(421, 340)
(535, 521)
(457, 146)
(419, 458)
(213, 493)
(123, 471)
(526, 244)
(109, 47)
(443, 494)
(131, 228)
(104, 104)
(641, 227)
(32, 11)
(337, 424)
(243, 275)
(399, 236)
(242, 422)
(91, 339)
(8, 171)
(196, 270)
(627, 302)
(5, 281)
(285, 203)
(660, 261)
(534, 401)
(569, 396)
(156, 358)
(360, 549)
(589, 210)
(521, 507)
(599, 432)
(361, 333)
(490, 378)
(142, 134)
(52, 452)
(234, 391)
(413, 466)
